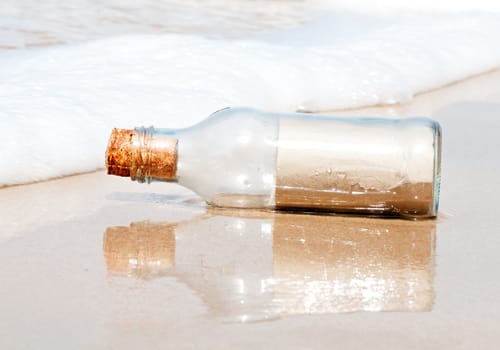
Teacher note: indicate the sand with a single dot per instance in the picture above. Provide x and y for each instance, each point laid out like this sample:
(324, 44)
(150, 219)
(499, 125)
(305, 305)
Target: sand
(68, 280)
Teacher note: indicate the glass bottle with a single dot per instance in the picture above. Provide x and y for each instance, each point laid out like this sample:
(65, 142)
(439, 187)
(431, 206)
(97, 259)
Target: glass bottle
(245, 158)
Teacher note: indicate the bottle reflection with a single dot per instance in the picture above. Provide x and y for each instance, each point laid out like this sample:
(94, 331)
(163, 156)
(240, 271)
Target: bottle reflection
(352, 264)
(257, 265)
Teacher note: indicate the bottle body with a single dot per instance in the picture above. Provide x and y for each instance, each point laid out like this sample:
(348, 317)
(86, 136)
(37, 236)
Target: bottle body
(247, 158)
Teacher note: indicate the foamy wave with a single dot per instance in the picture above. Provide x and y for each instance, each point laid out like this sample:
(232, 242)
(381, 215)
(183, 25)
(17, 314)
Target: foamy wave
(422, 6)
(58, 104)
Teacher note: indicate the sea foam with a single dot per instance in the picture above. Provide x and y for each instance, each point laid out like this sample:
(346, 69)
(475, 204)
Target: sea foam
(59, 103)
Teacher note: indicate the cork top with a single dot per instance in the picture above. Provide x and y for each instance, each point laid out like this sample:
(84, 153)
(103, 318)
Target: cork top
(119, 153)
(141, 154)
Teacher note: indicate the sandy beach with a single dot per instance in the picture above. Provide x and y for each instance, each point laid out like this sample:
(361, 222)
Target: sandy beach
(184, 276)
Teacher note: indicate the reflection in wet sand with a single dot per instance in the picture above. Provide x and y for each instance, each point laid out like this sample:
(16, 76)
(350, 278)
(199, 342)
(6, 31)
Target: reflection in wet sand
(253, 265)
(352, 264)
(141, 250)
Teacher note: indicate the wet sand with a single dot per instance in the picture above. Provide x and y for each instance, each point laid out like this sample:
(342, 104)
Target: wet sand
(94, 261)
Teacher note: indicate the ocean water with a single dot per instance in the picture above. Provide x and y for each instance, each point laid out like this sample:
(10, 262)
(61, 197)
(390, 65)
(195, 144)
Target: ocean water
(70, 71)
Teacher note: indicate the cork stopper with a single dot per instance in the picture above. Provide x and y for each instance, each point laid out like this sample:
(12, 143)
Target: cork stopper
(119, 153)
(141, 154)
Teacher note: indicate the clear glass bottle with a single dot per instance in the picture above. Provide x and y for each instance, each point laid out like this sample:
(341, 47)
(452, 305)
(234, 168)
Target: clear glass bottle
(245, 158)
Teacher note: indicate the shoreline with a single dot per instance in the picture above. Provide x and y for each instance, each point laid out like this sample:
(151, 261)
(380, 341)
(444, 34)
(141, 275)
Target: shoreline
(480, 87)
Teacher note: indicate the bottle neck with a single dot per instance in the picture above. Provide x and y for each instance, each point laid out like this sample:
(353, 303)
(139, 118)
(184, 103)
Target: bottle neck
(144, 154)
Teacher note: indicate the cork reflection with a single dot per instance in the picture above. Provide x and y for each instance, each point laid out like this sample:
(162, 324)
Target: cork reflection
(252, 265)
(141, 250)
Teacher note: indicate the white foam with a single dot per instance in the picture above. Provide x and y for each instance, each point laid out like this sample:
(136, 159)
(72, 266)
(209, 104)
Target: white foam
(422, 6)
(58, 104)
